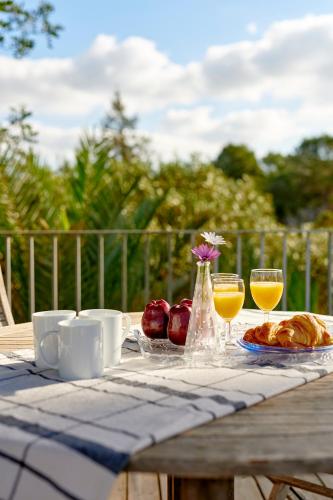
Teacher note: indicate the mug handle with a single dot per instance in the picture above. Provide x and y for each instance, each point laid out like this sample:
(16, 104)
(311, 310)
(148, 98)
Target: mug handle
(41, 347)
(126, 328)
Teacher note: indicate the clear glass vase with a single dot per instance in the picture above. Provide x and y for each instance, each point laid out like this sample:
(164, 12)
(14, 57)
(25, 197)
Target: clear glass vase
(201, 341)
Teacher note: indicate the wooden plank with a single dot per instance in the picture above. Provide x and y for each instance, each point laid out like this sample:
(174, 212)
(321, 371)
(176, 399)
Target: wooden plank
(313, 478)
(246, 487)
(164, 486)
(119, 489)
(147, 486)
(4, 304)
(279, 492)
(327, 479)
(173, 488)
(265, 486)
(143, 487)
(199, 489)
(292, 432)
(16, 328)
(308, 484)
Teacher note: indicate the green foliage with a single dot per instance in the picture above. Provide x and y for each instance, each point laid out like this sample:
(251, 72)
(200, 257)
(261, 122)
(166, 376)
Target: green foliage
(317, 148)
(16, 135)
(110, 184)
(307, 177)
(237, 160)
(118, 136)
(19, 26)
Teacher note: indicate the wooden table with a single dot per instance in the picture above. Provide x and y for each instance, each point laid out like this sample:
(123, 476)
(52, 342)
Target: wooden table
(288, 434)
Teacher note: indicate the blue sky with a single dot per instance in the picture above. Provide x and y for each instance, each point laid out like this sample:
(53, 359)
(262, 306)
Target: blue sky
(183, 29)
(198, 74)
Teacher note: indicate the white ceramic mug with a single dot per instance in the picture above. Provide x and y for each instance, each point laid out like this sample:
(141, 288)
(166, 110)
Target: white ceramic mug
(113, 332)
(80, 349)
(45, 321)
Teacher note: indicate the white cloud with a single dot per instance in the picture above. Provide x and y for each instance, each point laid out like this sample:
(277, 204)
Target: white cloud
(290, 67)
(265, 129)
(145, 76)
(291, 60)
(56, 143)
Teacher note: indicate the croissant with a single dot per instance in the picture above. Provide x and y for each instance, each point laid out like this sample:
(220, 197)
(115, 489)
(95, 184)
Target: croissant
(265, 334)
(302, 330)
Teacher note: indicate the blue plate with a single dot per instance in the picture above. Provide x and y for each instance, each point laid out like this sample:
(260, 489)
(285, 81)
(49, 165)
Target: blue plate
(282, 350)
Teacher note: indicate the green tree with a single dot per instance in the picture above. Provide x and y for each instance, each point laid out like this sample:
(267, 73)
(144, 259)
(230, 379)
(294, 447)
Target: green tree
(302, 183)
(19, 26)
(237, 160)
(119, 137)
(16, 135)
(317, 148)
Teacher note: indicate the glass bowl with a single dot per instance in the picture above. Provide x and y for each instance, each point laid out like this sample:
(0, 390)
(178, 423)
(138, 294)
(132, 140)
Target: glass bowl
(282, 350)
(159, 350)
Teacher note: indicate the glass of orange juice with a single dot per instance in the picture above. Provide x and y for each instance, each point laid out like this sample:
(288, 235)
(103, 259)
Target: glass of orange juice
(229, 295)
(266, 287)
(222, 280)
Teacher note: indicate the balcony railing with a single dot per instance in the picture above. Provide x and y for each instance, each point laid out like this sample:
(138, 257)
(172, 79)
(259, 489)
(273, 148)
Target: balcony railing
(238, 235)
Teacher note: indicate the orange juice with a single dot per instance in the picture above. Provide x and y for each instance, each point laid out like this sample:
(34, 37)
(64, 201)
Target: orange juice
(266, 294)
(228, 303)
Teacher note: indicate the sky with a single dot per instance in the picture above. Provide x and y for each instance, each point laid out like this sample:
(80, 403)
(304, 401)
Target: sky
(198, 75)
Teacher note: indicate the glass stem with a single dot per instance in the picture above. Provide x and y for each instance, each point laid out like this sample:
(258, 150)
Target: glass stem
(266, 316)
(227, 332)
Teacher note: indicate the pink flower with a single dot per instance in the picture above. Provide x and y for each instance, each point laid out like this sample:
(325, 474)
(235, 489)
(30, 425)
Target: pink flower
(205, 252)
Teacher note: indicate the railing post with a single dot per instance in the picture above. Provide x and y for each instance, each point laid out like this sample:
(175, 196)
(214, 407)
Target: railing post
(262, 250)
(124, 274)
(55, 272)
(285, 270)
(170, 284)
(78, 273)
(216, 266)
(9, 270)
(147, 269)
(329, 272)
(308, 272)
(101, 271)
(239, 254)
(192, 265)
(32, 274)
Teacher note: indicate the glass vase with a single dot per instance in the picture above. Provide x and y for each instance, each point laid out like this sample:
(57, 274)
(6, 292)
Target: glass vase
(201, 341)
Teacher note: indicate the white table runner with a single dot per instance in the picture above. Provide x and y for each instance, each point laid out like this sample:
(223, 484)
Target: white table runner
(69, 440)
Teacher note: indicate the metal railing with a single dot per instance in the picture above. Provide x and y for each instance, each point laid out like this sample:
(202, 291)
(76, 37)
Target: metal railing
(148, 235)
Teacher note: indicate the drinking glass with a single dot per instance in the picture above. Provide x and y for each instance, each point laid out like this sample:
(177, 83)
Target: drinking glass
(224, 279)
(228, 276)
(229, 295)
(266, 288)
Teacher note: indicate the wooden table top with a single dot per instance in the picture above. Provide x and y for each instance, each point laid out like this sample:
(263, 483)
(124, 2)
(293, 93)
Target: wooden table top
(290, 433)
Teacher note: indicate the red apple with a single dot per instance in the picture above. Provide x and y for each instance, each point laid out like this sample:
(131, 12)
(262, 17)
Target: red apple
(179, 317)
(155, 319)
(187, 302)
